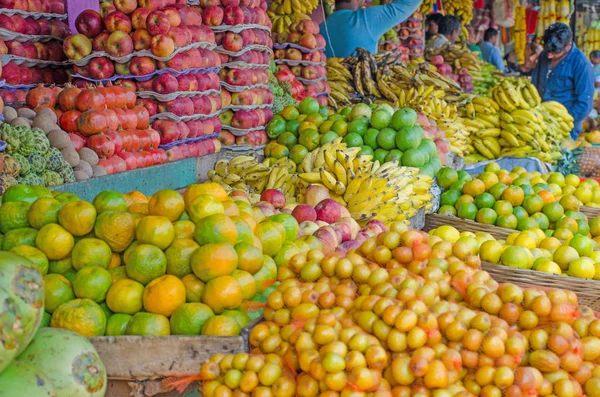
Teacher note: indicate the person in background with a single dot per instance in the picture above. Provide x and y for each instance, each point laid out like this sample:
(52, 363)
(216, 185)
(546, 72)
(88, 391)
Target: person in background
(432, 23)
(511, 62)
(533, 50)
(448, 31)
(473, 40)
(491, 54)
(595, 59)
(351, 26)
(564, 74)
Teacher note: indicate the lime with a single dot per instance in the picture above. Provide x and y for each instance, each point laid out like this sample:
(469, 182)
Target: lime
(414, 158)
(409, 138)
(394, 155)
(340, 127)
(276, 126)
(328, 137)
(366, 151)
(380, 155)
(371, 138)
(353, 140)
(380, 119)
(428, 146)
(405, 117)
(308, 105)
(359, 126)
(386, 139)
(287, 139)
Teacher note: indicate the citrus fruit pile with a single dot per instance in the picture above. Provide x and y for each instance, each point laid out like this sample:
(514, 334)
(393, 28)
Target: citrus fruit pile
(160, 265)
(576, 256)
(410, 314)
(378, 130)
(521, 200)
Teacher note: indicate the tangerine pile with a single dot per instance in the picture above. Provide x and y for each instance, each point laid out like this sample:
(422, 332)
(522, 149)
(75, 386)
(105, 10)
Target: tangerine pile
(160, 265)
(412, 314)
(521, 200)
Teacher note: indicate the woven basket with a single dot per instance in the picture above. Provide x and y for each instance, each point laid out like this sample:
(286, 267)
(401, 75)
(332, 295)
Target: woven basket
(587, 291)
(433, 221)
(590, 212)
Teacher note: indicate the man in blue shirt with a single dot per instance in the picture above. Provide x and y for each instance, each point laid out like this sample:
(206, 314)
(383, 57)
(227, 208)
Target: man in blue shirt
(491, 54)
(351, 26)
(564, 74)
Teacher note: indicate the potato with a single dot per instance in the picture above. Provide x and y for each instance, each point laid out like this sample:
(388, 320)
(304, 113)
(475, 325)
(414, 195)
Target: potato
(60, 139)
(71, 156)
(26, 112)
(44, 124)
(88, 155)
(99, 170)
(46, 113)
(9, 114)
(84, 166)
(81, 175)
(20, 122)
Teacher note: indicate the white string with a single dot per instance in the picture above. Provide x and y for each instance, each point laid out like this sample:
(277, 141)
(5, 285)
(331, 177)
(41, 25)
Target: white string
(326, 29)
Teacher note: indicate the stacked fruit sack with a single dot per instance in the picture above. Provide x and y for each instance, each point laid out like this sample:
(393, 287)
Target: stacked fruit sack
(31, 34)
(301, 51)
(162, 52)
(410, 314)
(411, 35)
(242, 30)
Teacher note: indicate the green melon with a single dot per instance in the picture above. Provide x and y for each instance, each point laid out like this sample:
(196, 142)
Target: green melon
(22, 379)
(70, 361)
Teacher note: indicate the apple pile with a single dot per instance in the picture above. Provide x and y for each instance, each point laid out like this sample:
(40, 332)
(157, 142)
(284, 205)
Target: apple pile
(301, 52)
(235, 42)
(38, 6)
(14, 97)
(34, 27)
(462, 76)
(410, 33)
(20, 74)
(431, 131)
(322, 217)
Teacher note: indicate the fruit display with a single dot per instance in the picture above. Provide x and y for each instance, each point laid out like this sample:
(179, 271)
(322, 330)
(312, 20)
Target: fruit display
(514, 122)
(373, 322)
(301, 51)
(391, 42)
(411, 34)
(284, 13)
(521, 201)
(31, 157)
(463, 9)
(520, 33)
(552, 11)
(591, 39)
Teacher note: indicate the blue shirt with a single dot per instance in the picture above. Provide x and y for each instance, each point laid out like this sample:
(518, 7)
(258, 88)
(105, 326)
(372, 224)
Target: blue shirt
(571, 83)
(346, 30)
(492, 55)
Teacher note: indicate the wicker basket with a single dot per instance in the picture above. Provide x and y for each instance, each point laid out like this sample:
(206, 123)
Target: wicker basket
(587, 291)
(590, 212)
(433, 221)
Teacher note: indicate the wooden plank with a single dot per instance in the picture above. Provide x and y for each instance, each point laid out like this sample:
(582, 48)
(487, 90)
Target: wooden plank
(433, 221)
(124, 388)
(590, 212)
(151, 357)
(147, 180)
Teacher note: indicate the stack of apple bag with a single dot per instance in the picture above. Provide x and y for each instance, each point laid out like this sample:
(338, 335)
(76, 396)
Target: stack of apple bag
(302, 51)
(30, 46)
(243, 36)
(160, 49)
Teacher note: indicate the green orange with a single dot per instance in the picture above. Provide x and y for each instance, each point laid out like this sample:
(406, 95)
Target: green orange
(91, 252)
(13, 215)
(22, 236)
(117, 229)
(155, 230)
(204, 205)
(57, 290)
(189, 318)
(43, 211)
(184, 229)
(78, 217)
(217, 228)
(214, 260)
(125, 296)
(486, 216)
(92, 283)
(116, 325)
(145, 263)
(178, 257)
(485, 200)
(446, 177)
(168, 203)
(221, 326)
(109, 200)
(250, 258)
(82, 316)
(194, 287)
(148, 324)
(246, 283)
(467, 211)
(270, 237)
(222, 293)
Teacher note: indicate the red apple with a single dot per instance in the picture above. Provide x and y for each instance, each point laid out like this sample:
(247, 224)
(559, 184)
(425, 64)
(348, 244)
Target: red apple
(77, 46)
(3, 48)
(190, 17)
(125, 6)
(31, 26)
(167, 129)
(180, 37)
(138, 18)
(225, 98)
(181, 107)
(232, 42)
(106, 7)
(157, 23)
(202, 105)
(11, 73)
(248, 37)
(18, 23)
(212, 15)
(141, 66)
(45, 27)
(117, 21)
(149, 104)
(56, 6)
(89, 23)
(173, 15)
(152, 4)
(165, 84)
(7, 22)
(162, 46)
(228, 3)
(15, 48)
(187, 82)
(142, 40)
(233, 15)
(123, 68)
(101, 68)
(99, 43)
(119, 44)
(273, 196)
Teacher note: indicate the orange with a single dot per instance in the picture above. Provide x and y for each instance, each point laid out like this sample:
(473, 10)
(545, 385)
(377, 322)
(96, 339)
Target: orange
(214, 260)
(109, 200)
(167, 203)
(117, 229)
(246, 282)
(595, 226)
(57, 290)
(490, 251)
(554, 211)
(488, 178)
(221, 326)
(145, 263)
(92, 283)
(474, 188)
(125, 296)
(270, 237)
(250, 258)
(61, 266)
(184, 229)
(243, 206)
(54, 241)
(504, 177)
(155, 230)
(533, 204)
(178, 257)
(91, 252)
(203, 206)
(82, 316)
(289, 223)
(194, 287)
(230, 208)
(217, 228)
(547, 196)
(116, 324)
(570, 203)
(163, 295)
(503, 207)
(245, 233)
(118, 273)
(514, 195)
(222, 293)
(43, 211)
(287, 251)
(567, 223)
(148, 324)
(486, 216)
(138, 208)
(565, 255)
(517, 257)
(208, 188)
(136, 197)
(78, 217)
(241, 317)
(115, 261)
(248, 218)
(189, 318)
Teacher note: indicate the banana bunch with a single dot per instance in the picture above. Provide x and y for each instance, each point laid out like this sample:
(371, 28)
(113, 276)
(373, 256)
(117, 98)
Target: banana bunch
(520, 33)
(281, 22)
(426, 7)
(460, 8)
(458, 135)
(369, 190)
(514, 122)
(248, 174)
